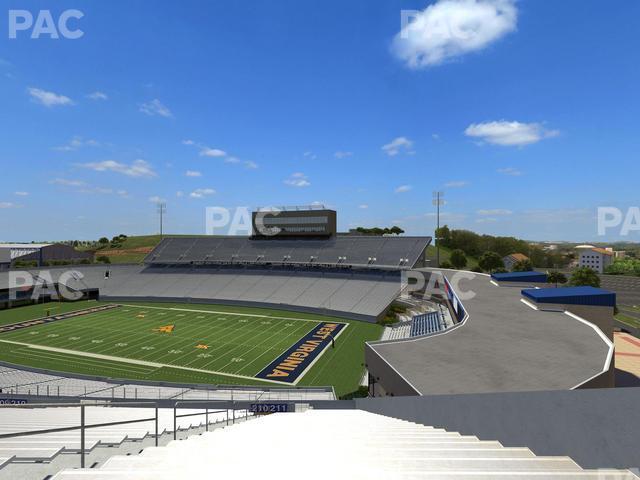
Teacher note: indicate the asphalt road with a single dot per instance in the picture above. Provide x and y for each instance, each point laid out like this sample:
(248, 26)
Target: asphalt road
(627, 288)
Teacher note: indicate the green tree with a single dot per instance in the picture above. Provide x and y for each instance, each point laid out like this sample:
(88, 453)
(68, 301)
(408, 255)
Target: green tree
(446, 264)
(556, 277)
(443, 235)
(523, 266)
(490, 261)
(585, 276)
(103, 259)
(458, 259)
(103, 240)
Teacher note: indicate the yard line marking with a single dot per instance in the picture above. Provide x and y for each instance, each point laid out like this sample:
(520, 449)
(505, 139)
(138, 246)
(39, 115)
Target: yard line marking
(278, 331)
(228, 313)
(291, 337)
(137, 362)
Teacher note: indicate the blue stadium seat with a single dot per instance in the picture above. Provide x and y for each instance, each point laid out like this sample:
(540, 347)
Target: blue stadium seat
(426, 323)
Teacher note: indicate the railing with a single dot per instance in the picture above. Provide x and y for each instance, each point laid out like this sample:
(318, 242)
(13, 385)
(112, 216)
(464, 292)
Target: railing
(158, 392)
(83, 426)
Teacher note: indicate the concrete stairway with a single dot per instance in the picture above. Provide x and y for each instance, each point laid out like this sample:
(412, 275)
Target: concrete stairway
(340, 444)
(43, 448)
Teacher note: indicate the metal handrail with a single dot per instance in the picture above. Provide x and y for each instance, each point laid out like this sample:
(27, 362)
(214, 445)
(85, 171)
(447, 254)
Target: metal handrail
(82, 427)
(206, 414)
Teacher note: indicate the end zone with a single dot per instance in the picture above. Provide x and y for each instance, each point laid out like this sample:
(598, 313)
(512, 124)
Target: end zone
(294, 362)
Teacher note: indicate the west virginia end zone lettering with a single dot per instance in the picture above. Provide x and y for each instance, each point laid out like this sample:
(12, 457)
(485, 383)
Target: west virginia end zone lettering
(292, 363)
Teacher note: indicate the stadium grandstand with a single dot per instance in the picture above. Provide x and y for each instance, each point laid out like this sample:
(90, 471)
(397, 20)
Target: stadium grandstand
(468, 352)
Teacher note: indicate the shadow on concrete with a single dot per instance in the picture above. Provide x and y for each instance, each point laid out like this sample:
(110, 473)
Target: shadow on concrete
(626, 379)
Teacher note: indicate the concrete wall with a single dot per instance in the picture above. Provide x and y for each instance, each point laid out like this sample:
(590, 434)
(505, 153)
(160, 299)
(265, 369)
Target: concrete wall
(597, 428)
(384, 380)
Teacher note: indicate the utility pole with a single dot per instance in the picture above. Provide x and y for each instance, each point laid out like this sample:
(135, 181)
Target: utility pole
(162, 209)
(437, 201)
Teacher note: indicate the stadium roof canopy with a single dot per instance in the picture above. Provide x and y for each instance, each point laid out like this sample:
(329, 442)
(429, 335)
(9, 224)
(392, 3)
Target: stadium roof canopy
(537, 277)
(572, 296)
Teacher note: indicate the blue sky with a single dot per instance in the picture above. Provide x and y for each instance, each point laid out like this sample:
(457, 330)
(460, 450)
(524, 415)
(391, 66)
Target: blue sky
(524, 112)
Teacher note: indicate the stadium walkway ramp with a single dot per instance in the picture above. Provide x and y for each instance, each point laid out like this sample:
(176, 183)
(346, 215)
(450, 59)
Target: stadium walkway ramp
(337, 444)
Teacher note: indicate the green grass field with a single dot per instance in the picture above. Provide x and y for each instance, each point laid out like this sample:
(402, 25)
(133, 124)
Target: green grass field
(207, 344)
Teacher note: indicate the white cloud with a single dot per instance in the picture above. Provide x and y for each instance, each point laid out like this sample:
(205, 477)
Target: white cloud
(104, 191)
(341, 155)
(156, 199)
(456, 184)
(179, 194)
(77, 142)
(513, 172)
(397, 145)
(486, 220)
(155, 107)
(206, 151)
(452, 28)
(435, 136)
(98, 96)
(494, 212)
(250, 165)
(506, 133)
(67, 183)
(364, 206)
(192, 173)
(48, 99)
(297, 179)
(21, 194)
(139, 168)
(7, 205)
(310, 155)
(212, 152)
(202, 192)
(403, 188)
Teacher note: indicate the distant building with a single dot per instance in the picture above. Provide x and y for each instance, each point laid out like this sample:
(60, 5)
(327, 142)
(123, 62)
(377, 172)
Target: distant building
(597, 259)
(42, 253)
(298, 221)
(510, 260)
(5, 259)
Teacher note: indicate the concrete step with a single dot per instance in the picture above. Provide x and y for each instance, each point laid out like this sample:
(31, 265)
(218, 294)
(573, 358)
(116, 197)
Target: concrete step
(30, 454)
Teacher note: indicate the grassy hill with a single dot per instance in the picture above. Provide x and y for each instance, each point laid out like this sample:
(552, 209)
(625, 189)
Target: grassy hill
(132, 249)
(445, 254)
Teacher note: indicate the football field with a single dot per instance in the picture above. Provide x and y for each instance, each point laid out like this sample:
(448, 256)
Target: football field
(193, 343)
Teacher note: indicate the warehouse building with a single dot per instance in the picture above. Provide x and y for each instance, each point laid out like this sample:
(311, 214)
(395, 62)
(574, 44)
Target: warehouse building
(40, 253)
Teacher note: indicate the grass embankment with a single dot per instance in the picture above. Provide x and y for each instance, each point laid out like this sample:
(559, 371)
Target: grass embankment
(445, 256)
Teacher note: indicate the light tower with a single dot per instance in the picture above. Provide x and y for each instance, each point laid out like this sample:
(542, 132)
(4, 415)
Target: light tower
(437, 201)
(162, 209)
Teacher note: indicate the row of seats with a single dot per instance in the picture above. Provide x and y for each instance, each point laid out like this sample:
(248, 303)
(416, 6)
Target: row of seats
(356, 250)
(46, 446)
(340, 444)
(356, 294)
(426, 323)
(22, 382)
